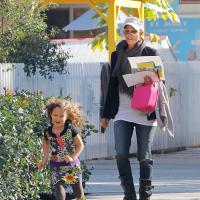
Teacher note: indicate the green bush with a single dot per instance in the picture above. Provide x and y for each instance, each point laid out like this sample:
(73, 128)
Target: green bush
(24, 39)
(22, 119)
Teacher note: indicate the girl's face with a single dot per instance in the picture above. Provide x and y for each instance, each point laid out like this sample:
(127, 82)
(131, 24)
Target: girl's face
(131, 35)
(58, 117)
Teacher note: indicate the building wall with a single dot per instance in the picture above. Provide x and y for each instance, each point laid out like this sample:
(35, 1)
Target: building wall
(184, 36)
(189, 7)
(66, 13)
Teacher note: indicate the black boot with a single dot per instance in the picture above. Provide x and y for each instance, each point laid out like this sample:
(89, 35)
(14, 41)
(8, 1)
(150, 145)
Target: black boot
(145, 189)
(129, 189)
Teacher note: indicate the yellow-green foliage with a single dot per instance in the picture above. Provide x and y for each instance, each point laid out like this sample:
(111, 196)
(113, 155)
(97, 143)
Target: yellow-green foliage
(22, 121)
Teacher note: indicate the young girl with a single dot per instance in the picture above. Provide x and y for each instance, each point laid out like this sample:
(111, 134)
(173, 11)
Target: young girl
(64, 142)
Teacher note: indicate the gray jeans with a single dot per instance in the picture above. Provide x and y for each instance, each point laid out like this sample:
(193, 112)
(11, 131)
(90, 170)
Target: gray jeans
(123, 132)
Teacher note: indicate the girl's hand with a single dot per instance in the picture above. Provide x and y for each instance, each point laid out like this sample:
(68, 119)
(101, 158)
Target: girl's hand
(41, 165)
(68, 158)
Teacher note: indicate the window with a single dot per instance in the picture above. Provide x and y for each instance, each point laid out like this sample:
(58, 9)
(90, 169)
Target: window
(84, 34)
(58, 18)
(62, 16)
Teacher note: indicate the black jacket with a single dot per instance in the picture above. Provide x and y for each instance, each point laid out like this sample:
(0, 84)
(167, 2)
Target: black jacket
(112, 99)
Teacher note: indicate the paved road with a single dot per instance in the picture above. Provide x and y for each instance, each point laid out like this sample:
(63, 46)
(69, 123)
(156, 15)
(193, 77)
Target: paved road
(176, 176)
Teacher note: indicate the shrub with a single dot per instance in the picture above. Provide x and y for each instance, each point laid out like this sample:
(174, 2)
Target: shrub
(22, 119)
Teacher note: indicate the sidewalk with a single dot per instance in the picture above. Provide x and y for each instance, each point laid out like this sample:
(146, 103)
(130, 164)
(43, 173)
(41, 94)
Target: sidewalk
(176, 176)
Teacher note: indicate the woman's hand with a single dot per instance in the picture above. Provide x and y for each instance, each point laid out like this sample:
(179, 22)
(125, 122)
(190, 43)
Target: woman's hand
(148, 79)
(104, 122)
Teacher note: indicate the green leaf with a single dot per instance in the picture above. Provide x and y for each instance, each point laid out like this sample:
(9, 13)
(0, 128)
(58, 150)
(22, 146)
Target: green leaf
(175, 17)
(2, 162)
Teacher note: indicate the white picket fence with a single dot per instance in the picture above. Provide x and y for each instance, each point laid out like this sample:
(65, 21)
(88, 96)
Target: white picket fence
(83, 85)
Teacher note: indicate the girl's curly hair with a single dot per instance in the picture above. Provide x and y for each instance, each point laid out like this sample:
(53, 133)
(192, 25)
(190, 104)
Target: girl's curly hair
(73, 110)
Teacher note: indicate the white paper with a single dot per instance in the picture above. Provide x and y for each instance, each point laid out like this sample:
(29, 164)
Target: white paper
(142, 59)
(138, 77)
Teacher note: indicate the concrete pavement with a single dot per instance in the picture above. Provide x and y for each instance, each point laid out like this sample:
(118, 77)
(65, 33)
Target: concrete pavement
(176, 176)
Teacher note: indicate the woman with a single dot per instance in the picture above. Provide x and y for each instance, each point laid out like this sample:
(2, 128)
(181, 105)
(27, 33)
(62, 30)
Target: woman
(117, 106)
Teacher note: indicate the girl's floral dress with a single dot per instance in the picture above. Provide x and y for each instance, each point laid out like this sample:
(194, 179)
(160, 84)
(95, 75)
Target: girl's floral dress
(62, 145)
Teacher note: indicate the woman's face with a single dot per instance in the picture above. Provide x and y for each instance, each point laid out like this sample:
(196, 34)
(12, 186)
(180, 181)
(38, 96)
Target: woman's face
(131, 35)
(58, 117)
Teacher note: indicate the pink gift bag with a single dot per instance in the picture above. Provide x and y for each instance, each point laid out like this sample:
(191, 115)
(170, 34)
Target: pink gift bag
(145, 98)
